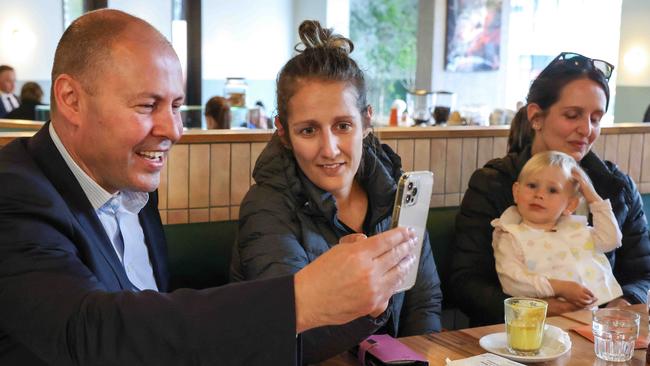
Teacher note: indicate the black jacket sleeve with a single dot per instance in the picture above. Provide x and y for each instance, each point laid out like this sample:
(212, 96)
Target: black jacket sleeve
(474, 281)
(632, 259)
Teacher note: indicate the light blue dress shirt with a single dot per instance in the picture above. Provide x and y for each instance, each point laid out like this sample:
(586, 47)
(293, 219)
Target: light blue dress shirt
(118, 213)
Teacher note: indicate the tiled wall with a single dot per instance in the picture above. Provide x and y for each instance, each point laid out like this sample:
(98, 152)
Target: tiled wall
(207, 181)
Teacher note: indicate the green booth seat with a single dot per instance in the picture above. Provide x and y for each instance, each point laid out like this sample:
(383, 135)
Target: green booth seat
(199, 254)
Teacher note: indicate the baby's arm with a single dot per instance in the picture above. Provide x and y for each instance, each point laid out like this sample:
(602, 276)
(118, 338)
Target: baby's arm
(515, 278)
(573, 292)
(607, 236)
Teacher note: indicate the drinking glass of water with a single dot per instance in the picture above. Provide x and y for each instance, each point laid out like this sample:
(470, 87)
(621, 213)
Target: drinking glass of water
(615, 332)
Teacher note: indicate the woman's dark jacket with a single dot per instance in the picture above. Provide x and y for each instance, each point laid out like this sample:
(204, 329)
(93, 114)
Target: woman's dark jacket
(474, 282)
(286, 222)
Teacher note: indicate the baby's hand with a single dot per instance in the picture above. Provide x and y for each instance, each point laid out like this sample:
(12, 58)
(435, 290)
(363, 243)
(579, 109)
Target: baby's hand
(573, 292)
(579, 294)
(586, 188)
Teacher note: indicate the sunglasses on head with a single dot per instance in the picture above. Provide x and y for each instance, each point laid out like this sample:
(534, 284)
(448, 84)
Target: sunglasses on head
(582, 62)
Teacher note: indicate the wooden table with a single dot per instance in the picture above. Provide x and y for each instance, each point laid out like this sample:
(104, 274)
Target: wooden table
(463, 343)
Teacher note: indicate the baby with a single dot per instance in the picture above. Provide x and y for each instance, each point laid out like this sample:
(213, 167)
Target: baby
(541, 250)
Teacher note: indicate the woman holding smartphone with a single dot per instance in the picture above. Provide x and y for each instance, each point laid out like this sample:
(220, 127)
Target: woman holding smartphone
(324, 176)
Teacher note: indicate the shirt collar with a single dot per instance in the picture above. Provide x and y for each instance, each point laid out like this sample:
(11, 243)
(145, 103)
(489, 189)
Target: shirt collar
(98, 196)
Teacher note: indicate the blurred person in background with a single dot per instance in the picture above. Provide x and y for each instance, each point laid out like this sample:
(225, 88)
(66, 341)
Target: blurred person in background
(30, 96)
(8, 101)
(217, 113)
(264, 120)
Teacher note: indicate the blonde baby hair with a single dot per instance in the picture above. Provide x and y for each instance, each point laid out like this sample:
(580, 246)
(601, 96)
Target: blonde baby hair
(551, 158)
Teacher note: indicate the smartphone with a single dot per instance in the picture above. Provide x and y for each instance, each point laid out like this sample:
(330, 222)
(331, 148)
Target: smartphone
(411, 209)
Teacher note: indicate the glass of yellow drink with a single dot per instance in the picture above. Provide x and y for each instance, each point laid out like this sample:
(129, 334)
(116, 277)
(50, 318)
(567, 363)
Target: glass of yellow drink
(525, 320)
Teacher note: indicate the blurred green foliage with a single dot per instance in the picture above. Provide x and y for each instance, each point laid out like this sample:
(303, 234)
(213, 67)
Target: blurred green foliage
(384, 33)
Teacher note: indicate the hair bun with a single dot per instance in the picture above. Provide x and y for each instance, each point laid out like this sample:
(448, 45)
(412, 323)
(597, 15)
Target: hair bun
(313, 35)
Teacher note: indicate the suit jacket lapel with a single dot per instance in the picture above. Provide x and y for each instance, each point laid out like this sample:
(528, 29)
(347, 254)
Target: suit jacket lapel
(45, 153)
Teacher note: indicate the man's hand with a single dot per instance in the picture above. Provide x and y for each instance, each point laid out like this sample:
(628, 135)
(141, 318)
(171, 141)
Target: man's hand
(353, 279)
(351, 238)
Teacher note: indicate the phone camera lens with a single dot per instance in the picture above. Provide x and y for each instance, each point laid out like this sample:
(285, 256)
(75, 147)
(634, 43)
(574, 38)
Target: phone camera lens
(408, 198)
(410, 186)
(415, 191)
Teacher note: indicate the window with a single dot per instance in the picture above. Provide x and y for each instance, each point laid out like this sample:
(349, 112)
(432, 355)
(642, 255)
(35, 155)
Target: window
(384, 33)
(72, 9)
(540, 30)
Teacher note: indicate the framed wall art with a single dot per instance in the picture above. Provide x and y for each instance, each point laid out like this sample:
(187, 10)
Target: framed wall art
(473, 35)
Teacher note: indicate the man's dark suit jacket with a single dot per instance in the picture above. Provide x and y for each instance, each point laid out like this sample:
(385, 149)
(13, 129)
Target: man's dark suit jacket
(3, 111)
(65, 298)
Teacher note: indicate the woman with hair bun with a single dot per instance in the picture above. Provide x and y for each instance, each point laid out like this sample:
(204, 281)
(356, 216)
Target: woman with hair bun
(324, 176)
(566, 103)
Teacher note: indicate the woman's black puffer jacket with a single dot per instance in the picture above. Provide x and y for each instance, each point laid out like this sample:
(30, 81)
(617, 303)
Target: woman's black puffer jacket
(286, 222)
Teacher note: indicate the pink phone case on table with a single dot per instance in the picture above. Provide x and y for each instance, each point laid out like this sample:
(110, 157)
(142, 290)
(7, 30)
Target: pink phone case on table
(382, 349)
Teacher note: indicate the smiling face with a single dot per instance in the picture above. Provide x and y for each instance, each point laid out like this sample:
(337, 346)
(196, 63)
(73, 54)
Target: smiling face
(131, 118)
(543, 196)
(572, 124)
(326, 131)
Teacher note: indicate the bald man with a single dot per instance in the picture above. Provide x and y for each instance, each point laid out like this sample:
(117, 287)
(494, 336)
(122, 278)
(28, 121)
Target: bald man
(83, 273)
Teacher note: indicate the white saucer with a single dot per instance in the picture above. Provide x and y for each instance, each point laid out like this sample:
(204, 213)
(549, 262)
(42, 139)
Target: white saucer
(555, 343)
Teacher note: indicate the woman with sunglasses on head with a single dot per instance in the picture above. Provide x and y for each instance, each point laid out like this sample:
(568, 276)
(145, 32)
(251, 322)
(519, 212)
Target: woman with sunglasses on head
(324, 179)
(565, 105)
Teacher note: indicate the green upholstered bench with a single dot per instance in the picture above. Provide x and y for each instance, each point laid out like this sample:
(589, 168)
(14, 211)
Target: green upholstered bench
(199, 254)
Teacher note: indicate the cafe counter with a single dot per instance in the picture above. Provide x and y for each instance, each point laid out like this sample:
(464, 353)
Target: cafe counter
(209, 172)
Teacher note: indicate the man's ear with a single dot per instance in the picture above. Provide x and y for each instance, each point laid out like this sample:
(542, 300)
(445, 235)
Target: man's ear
(571, 206)
(67, 93)
(515, 191)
